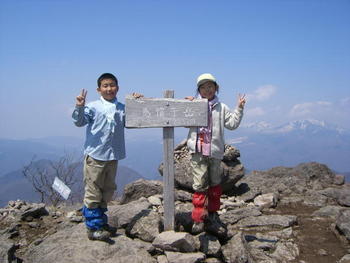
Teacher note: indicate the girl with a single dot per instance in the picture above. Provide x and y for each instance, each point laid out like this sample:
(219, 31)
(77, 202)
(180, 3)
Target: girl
(206, 145)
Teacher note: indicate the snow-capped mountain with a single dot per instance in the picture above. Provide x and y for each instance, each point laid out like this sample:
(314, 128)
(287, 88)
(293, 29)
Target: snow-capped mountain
(263, 145)
(309, 125)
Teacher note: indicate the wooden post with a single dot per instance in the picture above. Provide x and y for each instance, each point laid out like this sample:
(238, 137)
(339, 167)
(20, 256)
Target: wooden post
(166, 113)
(168, 173)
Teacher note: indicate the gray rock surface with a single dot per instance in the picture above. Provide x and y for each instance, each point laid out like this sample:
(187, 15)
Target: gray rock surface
(328, 211)
(233, 216)
(255, 234)
(209, 244)
(175, 257)
(122, 215)
(343, 223)
(72, 245)
(7, 250)
(175, 241)
(141, 188)
(146, 226)
(236, 250)
(275, 221)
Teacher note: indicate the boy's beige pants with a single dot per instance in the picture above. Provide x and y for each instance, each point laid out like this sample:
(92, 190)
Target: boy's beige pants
(206, 172)
(99, 179)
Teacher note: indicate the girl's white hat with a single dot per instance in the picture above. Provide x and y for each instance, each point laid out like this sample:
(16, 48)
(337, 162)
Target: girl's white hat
(204, 78)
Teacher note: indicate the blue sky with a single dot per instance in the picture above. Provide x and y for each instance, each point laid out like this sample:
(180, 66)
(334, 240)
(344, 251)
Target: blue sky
(292, 58)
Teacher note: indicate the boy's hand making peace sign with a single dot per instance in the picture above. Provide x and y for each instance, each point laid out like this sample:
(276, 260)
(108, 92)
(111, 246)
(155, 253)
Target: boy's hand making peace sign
(80, 99)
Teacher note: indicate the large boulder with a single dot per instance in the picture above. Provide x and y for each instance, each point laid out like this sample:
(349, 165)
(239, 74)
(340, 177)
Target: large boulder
(141, 188)
(72, 245)
(175, 241)
(122, 215)
(305, 177)
(146, 226)
(231, 166)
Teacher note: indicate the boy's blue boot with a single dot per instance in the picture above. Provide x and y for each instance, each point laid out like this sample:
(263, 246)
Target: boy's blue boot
(95, 219)
(112, 230)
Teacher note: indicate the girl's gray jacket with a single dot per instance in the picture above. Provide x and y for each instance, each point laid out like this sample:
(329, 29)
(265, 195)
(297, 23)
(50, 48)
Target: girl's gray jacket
(222, 117)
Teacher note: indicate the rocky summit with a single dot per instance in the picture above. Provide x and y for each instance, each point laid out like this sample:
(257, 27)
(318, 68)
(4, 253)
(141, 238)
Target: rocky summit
(285, 214)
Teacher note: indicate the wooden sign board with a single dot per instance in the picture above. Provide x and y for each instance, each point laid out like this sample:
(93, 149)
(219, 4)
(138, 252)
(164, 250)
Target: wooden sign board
(165, 112)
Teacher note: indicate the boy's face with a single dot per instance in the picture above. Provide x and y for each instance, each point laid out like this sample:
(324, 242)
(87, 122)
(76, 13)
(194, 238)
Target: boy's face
(108, 89)
(207, 90)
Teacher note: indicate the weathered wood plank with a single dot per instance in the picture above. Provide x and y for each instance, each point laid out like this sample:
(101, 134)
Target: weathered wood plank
(168, 175)
(167, 112)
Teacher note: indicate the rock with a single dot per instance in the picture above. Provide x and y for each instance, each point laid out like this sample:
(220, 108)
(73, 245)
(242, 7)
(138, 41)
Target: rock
(343, 223)
(141, 188)
(247, 194)
(339, 179)
(231, 153)
(232, 173)
(284, 233)
(342, 195)
(74, 246)
(231, 203)
(212, 260)
(176, 257)
(75, 216)
(146, 226)
(144, 245)
(7, 250)
(236, 250)
(183, 216)
(122, 215)
(266, 200)
(183, 196)
(267, 221)
(328, 211)
(155, 200)
(261, 241)
(285, 251)
(209, 244)
(34, 211)
(162, 259)
(315, 172)
(291, 200)
(38, 241)
(175, 241)
(345, 259)
(288, 181)
(314, 198)
(233, 216)
(261, 256)
(34, 224)
(322, 252)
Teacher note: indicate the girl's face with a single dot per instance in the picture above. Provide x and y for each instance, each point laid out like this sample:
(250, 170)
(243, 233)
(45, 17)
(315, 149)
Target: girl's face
(207, 90)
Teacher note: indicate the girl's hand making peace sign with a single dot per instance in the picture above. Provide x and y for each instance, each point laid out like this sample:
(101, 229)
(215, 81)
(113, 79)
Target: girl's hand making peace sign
(241, 101)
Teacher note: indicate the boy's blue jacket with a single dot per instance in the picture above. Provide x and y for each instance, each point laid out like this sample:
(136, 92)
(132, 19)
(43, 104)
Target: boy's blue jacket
(105, 129)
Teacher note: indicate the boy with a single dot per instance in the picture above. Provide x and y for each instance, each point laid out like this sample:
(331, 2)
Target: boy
(104, 146)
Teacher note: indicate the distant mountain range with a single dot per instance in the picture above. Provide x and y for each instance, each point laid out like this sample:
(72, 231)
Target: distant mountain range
(261, 144)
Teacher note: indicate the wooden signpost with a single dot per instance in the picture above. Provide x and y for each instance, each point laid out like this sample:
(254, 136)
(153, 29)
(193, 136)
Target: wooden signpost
(166, 113)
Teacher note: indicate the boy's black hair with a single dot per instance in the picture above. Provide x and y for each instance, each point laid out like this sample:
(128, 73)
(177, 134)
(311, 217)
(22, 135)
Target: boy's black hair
(106, 76)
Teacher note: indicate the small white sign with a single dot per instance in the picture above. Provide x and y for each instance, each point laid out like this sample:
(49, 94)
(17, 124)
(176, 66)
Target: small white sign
(61, 188)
